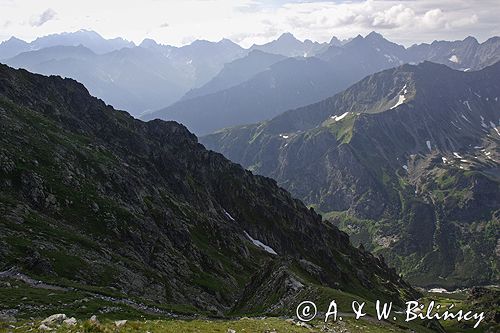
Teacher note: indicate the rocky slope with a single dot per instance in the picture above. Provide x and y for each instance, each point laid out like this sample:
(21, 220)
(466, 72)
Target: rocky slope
(91, 198)
(406, 161)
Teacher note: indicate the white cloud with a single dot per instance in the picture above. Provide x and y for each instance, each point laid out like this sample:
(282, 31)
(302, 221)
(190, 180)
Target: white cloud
(253, 21)
(46, 16)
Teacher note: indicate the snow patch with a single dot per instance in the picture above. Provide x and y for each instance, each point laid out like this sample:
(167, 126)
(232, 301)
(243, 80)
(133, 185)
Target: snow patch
(284, 136)
(228, 215)
(263, 246)
(444, 160)
(342, 116)
(400, 101)
(438, 290)
(468, 105)
(457, 155)
(405, 167)
(454, 59)
(466, 118)
(428, 143)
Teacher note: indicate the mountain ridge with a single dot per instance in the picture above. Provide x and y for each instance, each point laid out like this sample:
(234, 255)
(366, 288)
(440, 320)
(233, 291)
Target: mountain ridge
(411, 147)
(93, 198)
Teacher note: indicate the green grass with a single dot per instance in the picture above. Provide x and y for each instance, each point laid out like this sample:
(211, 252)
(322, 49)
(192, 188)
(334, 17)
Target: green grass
(250, 325)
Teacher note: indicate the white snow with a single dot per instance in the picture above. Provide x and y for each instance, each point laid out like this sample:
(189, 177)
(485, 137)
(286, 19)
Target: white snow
(475, 93)
(263, 246)
(465, 118)
(284, 136)
(438, 290)
(228, 215)
(457, 155)
(342, 116)
(454, 59)
(401, 98)
(405, 167)
(428, 143)
(488, 153)
(400, 101)
(465, 161)
(444, 160)
(468, 106)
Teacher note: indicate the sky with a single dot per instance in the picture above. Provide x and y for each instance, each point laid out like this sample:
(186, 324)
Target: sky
(252, 21)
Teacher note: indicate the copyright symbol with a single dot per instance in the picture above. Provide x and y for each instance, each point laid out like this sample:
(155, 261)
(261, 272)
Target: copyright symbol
(306, 311)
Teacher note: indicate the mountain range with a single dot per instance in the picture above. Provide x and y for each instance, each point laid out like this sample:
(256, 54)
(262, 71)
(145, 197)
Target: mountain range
(406, 161)
(294, 83)
(135, 78)
(89, 39)
(164, 78)
(93, 199)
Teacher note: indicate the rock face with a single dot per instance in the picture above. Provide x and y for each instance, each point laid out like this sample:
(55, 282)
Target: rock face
(406, 161)
(92, 196)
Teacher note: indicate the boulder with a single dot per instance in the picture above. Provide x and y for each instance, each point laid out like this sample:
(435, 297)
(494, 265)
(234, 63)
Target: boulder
(55, 319)
(70, 321)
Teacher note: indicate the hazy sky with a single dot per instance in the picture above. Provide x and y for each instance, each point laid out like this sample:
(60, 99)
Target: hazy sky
(252, 21)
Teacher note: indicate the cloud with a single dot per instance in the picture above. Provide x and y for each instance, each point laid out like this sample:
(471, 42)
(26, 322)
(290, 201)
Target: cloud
(43, 18)
(255, 21)
(393, 17)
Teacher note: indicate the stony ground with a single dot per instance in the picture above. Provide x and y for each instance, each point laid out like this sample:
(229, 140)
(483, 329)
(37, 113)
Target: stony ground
(254, 325)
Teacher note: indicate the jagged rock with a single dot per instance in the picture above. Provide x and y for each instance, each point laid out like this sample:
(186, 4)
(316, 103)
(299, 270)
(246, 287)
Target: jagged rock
(70, 321)
(93, 319)
(44, 327)
(55, 319)
(230, 330)
(120, 323)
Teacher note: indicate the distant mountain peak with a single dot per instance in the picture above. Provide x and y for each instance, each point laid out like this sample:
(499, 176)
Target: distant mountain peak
(287, 36)
(335, 41)
(148, 42)
(374, 36)
(14, 41)
(471, 39)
